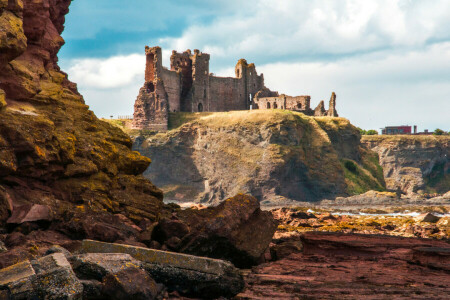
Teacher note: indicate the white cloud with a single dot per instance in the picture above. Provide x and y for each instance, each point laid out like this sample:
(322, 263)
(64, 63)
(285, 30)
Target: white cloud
(114, 72)
(305, 28)
(387, 60)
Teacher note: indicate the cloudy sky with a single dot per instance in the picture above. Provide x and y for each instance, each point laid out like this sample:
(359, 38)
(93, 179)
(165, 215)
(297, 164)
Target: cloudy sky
(387, 60)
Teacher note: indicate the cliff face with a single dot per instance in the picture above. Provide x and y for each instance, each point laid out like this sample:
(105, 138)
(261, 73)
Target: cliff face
(413, 163)
(53, 150)
(274, 155)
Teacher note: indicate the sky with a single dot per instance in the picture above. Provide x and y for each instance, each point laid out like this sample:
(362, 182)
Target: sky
(388, 61)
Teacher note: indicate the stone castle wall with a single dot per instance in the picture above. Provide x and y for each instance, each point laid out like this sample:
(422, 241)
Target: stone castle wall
(189, 87)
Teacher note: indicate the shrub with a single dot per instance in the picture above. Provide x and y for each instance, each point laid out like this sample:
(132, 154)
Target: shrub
(372, 132)
(439, 132)
(351, 166)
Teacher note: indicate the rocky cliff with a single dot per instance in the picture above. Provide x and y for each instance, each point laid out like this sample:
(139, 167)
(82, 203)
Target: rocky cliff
(55, 155)
(413, 163)
(277, 156)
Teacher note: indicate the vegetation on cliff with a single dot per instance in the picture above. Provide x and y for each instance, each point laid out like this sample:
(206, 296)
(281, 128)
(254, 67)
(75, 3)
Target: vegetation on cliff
(275, 155)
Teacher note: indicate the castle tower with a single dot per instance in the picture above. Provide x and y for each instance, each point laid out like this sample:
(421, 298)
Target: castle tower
(332, 108)
(151, 106)
(200, 82)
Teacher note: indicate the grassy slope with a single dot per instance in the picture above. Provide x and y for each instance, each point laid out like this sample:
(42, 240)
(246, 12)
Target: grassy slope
(312, 146)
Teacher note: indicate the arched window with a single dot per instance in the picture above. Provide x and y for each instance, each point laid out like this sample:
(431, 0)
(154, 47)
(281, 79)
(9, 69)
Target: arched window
(275, 105)
(299, 105)
(268, 105)
(204, 94)
(200, 107)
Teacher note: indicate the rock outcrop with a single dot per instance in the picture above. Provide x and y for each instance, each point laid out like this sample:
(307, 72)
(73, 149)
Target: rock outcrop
(192, 275)
(236, 230)
(55, 154)
(119, 272)
(276, 156)
(413, 164)
(353, 266)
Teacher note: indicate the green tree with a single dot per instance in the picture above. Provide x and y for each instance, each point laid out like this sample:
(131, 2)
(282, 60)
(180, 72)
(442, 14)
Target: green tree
(372, 132)
(439, 132)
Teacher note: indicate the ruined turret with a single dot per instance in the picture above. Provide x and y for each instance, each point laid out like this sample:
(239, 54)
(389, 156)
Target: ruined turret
(332, 108)
(320, 111)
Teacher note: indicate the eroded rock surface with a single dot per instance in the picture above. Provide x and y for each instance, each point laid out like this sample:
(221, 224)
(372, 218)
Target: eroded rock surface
(53, 150)
(59, 165)
(236, 230)
(353, 267)
(413, 163)
(277, 156)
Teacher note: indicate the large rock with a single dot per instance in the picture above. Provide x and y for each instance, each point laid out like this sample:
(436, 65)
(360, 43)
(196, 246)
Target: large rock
(55, 278)
(187, 274)
(16, 281)
(55, 152)
(50, 277)
(30, 213)
(236, 230)
(129, 283)
(98, 265)
(353, 266)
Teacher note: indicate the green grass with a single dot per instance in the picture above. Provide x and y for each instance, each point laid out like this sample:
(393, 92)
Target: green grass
(359, 180)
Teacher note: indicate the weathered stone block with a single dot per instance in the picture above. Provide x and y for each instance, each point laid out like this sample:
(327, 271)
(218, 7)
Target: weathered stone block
(55, 278)
(129, 283)
(98, 265)
(16, 280)
(187, 274)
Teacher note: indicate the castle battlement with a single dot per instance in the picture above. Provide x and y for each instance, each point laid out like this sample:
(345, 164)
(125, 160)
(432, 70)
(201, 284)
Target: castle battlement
(188, 86)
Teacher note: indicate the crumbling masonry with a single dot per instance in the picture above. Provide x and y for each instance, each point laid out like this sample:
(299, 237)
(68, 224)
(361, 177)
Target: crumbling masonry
(189, 87)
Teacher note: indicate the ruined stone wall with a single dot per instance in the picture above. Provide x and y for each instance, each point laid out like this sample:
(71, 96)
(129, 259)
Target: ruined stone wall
(173, 86)
(182, 63)
(151, 105)
(298, 103)
(270, 102)
(200, 79)
(227, 94)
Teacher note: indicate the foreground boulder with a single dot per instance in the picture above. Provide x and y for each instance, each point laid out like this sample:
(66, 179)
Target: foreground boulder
(50, 277)
(190, 275)
(236, 230)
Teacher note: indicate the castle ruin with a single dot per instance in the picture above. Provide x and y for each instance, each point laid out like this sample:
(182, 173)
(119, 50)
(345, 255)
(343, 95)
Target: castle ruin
(189, 87)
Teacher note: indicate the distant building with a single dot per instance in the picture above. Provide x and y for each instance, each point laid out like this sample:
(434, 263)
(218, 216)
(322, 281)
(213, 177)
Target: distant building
(404, 129)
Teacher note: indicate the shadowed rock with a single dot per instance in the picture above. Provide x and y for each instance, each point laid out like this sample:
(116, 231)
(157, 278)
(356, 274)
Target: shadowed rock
(190, 275)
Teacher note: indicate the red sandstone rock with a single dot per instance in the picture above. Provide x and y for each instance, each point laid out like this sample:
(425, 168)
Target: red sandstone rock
(236, 230)
(340, 266)
(30, 213)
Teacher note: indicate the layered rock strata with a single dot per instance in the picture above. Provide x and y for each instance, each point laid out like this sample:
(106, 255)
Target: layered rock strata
(413, 164)
(54, 152)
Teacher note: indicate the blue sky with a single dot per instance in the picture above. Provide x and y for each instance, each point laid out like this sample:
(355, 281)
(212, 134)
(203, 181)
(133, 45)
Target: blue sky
(387, 60)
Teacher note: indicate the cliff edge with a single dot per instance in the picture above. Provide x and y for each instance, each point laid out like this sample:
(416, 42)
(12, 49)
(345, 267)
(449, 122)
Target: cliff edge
(277, 156)
(413, 164)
